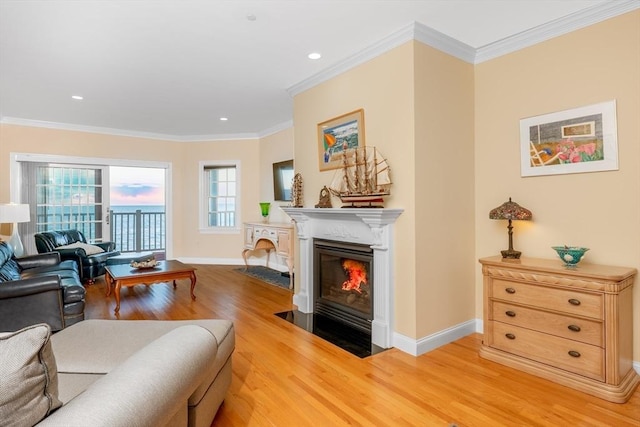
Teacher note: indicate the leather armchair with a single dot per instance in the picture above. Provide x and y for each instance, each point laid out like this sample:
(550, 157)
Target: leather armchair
(91, 266)
(39, 289)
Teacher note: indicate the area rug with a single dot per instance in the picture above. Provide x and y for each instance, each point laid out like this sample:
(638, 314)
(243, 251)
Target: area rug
(268, 275)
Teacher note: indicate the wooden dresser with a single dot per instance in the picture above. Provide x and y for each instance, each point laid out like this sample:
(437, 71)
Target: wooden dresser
(270, 236)
(572, 325)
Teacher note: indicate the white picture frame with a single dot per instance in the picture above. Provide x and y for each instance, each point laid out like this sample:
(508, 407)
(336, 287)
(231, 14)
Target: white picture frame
(579, 140)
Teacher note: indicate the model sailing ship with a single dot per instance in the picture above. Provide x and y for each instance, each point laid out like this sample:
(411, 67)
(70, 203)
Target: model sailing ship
(363, 179)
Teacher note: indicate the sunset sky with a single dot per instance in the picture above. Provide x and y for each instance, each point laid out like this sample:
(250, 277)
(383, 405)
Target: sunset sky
(136, 186)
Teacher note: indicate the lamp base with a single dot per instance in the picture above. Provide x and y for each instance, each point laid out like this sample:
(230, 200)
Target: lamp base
(15, 242)
(511, 254)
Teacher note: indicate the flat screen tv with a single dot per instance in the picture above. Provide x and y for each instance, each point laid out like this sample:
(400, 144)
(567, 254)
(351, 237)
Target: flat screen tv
(282, 178)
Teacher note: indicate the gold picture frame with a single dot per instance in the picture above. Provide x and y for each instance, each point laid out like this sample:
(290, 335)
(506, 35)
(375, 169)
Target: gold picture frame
(336, 135)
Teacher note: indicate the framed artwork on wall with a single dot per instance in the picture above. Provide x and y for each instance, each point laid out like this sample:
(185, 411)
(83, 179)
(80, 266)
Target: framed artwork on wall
(579, 140)
(339, 134)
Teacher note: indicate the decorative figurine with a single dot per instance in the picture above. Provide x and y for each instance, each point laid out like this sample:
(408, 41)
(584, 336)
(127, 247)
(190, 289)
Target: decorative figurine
(296, 191)
(325, 198)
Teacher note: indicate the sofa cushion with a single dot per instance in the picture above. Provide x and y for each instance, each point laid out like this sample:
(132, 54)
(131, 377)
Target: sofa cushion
(88, 249)
(29, 387)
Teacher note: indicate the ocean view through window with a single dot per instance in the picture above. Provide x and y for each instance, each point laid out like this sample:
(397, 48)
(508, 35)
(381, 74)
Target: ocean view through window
(137, 228)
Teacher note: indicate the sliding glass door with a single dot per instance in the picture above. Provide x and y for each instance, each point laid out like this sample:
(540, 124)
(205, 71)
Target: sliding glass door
(65, 197)
(117, 200)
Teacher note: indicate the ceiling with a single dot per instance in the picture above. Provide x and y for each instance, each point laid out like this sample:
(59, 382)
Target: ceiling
(172, 68)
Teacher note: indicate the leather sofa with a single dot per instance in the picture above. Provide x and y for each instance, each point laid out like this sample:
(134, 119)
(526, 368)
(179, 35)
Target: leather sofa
(90, 266)
(39, 289)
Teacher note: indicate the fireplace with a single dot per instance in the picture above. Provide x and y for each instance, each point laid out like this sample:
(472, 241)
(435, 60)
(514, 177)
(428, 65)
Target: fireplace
(343, 282)
(371, 228)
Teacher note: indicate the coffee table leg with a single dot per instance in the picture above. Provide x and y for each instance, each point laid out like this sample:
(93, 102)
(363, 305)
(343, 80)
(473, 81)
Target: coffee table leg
(193, 284)
(109, 280)
(117, 292)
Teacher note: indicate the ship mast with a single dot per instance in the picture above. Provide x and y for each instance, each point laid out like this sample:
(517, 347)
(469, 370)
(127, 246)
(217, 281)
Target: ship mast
(345, 168)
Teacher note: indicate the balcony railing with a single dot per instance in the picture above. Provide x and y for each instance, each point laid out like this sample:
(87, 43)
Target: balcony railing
(138, 231)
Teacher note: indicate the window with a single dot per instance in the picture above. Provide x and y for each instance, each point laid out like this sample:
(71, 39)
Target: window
(63, 197)
(220, 182)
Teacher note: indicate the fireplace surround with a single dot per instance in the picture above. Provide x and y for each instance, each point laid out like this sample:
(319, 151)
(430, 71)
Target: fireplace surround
(371, 227)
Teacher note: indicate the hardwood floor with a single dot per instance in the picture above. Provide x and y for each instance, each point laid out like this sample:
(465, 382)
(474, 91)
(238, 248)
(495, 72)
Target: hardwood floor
(285, 376)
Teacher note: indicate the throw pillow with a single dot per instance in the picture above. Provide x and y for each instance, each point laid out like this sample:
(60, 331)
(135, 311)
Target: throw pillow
(9, 271)
(29, 386)
(89, 249)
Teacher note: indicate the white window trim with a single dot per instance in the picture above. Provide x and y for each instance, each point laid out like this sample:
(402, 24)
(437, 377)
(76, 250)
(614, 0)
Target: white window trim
(202, 219)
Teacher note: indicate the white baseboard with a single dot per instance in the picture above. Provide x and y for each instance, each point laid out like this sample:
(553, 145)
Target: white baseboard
(433, 341)
(233, 261)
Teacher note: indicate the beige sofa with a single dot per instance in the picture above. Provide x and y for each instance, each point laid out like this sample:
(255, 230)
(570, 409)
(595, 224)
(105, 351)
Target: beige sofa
(142, 372)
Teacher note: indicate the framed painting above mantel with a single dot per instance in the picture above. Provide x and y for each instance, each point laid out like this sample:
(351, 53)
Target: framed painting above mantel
(338, 134)
(572, 141)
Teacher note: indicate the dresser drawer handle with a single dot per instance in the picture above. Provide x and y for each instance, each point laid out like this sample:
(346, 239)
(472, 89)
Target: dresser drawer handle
(574, 301)
(574, 328)
(510, 336)
(510, 313)
(574, 353)
(510, 290)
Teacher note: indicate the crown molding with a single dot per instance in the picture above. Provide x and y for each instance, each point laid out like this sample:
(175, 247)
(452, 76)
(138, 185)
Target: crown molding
(555, 28)
(443, 42)
(275, 129)
(82, 128)
(129, 133)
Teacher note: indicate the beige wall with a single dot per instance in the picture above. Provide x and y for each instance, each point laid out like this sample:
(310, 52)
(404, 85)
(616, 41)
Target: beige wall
(444, 199)
(598, 210)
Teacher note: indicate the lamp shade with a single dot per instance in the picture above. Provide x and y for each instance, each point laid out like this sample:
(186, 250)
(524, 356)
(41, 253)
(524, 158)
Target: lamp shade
(510, 210)
(13, 213)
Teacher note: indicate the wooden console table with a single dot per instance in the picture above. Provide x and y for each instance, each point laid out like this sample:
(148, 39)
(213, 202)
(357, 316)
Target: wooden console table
(270, 236)
(570, 325)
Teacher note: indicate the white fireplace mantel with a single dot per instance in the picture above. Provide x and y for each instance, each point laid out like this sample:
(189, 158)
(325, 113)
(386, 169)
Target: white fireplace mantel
(367, 226)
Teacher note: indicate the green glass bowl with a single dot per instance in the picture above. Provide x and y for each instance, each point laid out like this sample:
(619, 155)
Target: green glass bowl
(571, 255)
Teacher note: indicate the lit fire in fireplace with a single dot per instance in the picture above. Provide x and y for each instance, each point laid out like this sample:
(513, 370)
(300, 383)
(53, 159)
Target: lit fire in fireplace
(357, 275)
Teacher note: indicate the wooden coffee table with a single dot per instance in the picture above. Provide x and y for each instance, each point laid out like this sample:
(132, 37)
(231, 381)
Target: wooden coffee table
(118, 276)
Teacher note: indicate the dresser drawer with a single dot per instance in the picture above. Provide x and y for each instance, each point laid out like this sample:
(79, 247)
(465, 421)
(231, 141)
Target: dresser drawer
(564, 300)
(573, 328)
(587, 360)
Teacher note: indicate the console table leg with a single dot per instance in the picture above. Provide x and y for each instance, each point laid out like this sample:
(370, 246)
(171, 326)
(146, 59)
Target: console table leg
(244, 256)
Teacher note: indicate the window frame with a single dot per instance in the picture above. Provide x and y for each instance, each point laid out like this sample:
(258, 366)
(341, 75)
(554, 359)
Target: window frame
(204, 228)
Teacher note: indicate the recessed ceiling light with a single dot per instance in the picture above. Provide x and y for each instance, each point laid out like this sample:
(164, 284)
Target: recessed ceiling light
(251, 17)
(223, 119)
(78, 97)
(314, 55)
